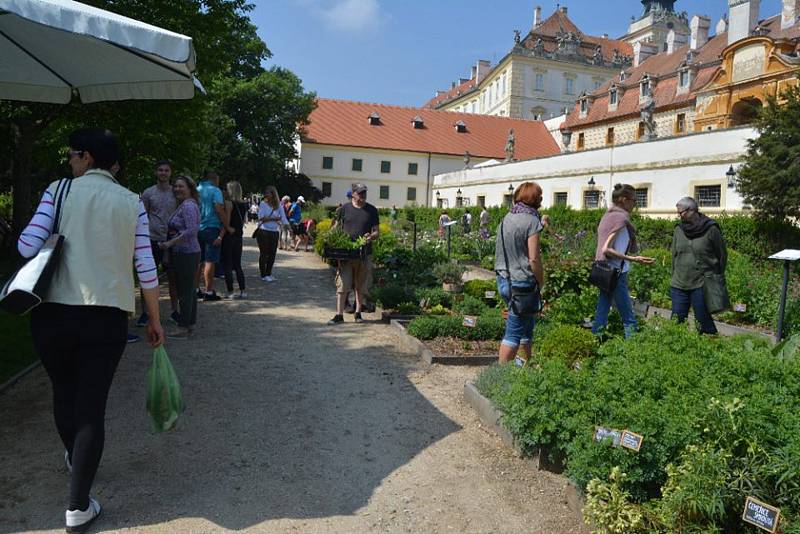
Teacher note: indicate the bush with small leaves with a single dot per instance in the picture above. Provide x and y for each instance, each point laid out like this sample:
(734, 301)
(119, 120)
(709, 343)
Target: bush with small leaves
(569, 344)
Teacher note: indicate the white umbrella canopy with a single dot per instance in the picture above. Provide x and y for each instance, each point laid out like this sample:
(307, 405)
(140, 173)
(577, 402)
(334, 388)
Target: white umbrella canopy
(52, 48)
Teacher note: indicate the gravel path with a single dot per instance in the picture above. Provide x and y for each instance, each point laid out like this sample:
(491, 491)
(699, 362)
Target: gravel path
(291, 426)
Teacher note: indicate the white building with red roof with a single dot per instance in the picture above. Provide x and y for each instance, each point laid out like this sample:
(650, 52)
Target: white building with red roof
(396, 151)
(542, 75)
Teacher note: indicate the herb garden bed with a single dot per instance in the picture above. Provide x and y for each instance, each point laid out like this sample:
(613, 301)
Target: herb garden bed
(422, 350)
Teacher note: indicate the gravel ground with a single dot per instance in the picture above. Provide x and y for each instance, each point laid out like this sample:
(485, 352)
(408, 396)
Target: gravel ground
(291, 426)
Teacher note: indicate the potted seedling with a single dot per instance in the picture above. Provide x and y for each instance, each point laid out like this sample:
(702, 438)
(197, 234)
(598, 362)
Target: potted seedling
(450, 274)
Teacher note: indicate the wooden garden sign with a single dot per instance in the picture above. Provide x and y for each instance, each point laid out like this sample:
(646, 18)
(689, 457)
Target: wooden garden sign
(470, 321)
(631, 440)
(761, 515)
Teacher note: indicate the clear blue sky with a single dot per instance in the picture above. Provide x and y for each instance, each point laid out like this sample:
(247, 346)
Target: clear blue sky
(401, 51)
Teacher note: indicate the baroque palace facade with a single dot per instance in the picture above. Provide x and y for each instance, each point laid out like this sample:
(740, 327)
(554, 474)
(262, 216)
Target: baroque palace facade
(707, 84)
(673, 123)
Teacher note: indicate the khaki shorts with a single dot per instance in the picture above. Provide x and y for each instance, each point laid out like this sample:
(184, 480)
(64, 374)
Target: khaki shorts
(354, 274)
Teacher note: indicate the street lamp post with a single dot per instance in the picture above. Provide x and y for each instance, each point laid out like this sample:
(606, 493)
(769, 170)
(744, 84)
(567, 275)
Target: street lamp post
(731, 174)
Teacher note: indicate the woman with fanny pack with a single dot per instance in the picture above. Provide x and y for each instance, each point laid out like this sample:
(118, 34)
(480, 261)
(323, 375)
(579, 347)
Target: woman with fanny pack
(80, 330)
(520, 274)
(616, 239)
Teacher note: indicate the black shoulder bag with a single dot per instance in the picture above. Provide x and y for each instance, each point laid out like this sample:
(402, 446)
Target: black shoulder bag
(27, 288)
(524, 301)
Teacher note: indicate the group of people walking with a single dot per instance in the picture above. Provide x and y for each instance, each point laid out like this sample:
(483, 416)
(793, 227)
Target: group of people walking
(699, 258)
(81, 329)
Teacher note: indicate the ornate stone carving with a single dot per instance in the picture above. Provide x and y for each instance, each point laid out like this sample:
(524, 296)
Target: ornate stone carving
(538, 47)
(647, 111)
(597, 58)
(510, 142)
(517, 37)
(568, 43)
(467, 159)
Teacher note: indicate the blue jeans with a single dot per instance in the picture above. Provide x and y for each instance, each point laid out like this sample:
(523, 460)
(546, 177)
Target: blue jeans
(519, 330)
(622, 298)
(682, 299)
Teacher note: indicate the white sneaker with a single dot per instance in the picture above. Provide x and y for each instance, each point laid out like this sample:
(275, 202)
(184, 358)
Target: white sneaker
(241, 296)
(264, 278)
(79, 520)
(270, 279)
(229, 296)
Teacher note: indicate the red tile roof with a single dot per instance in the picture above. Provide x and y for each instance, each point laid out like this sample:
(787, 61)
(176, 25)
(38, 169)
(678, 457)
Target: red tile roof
(453, 93)
(344, 123)
(664, 67)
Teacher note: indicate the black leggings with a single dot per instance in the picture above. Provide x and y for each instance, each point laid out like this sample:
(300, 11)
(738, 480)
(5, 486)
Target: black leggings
(232, 260)
(267, 248)
(80, 347)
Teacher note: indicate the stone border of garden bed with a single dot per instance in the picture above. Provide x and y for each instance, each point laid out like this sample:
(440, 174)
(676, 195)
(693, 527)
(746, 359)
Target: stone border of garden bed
(19, 376)
(419, 348)
(490, 418)
(724, 329)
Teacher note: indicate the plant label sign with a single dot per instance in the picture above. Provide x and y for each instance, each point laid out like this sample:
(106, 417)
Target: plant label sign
(490, 294)
(470, 321)
(760, 514)
(601, 433)
(740, 308)
(631, 440)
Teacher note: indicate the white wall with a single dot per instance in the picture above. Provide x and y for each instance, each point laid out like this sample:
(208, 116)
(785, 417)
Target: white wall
(341, 176)
(669, 168)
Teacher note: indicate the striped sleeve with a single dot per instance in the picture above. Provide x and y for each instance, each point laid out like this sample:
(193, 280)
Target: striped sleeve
(143, 253)
(39, 229)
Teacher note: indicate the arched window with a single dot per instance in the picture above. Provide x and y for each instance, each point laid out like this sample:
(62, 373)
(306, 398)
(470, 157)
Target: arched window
(745, 111)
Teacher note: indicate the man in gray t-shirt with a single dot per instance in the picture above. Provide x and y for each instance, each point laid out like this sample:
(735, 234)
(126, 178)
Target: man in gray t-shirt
(517, 228)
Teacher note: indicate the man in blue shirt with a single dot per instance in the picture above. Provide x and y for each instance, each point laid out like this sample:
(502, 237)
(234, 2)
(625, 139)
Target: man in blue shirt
(295, 217)
(212, 230)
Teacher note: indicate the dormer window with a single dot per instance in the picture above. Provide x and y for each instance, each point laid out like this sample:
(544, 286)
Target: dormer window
(644, 87)
(584, 105)
(622, 76)
(684, 78)
(374, 119)
(418, 122)
(613, 97)
(461, 127)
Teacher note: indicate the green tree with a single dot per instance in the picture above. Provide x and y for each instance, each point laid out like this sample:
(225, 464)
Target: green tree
(770, 178)
(258, 125)
(215, 129)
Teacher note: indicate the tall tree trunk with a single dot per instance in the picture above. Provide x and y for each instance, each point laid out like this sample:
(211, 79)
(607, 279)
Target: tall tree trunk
(21, 175)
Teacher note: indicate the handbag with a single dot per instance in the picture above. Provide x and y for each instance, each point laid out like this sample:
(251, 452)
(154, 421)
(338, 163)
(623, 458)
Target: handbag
(715, 289)
(524, 301)
(604, 276)
(27, 287)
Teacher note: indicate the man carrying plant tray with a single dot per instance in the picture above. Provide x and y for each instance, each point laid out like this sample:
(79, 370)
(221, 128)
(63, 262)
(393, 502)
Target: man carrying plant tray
(360, 221)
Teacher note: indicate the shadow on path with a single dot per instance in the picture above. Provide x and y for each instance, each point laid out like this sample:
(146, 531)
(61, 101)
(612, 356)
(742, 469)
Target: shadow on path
(286, 418)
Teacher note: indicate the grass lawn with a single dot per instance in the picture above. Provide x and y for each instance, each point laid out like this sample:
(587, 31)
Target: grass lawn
(15, 337)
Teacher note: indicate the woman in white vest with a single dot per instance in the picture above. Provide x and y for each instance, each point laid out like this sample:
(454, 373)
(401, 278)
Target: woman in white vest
(80, 330)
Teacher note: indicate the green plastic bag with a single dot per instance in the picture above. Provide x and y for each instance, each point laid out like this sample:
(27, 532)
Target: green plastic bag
(164, 400)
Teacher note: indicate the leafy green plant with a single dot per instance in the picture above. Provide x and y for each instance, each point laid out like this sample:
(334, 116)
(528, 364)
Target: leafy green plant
(434, 296)
(390, 296)
(573, 308)
(470, 305)
(608, 506)
(449, 272)
(478, 288)
(424, 328)
(408, 308)
(568, 344)
(651, 283)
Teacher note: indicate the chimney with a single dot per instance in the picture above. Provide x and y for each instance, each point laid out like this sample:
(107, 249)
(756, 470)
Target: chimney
(791, 10)
(473, 73)
(742, 20)
(722, 26)
(483, 67)
(452, 85)
(537, 17)
(462, 81)
(699, 26)
(642, 51)
(440, 93)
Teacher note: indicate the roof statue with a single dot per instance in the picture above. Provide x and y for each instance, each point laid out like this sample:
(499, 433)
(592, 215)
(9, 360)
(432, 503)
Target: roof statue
(658, 6)
(517, 37)
(510, 145)
(467, 159)
(649, 122)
